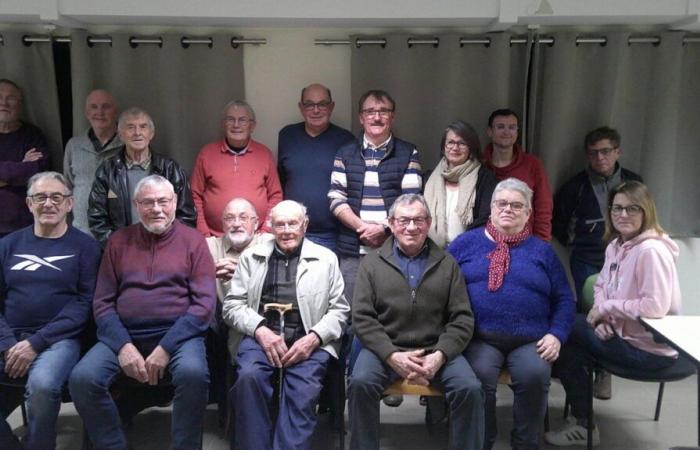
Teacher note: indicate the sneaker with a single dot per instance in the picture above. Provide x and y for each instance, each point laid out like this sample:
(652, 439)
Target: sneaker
(571, 434)
(393, 400)
(602, 386)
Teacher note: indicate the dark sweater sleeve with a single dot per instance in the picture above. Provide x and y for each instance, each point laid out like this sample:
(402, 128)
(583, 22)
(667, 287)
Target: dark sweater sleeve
(110, 329)
(564, 206)
(7, 337)
(71, 320)
(17, 173)
(563, 307)
(460, 319)
(364, 314)
(202, 287)
(485, 185)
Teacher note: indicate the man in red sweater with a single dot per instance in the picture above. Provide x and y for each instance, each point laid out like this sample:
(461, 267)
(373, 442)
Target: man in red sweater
(508, 159)
(236, 166)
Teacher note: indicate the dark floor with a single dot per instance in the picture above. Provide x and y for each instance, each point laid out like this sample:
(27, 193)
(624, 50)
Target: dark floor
(626, 422)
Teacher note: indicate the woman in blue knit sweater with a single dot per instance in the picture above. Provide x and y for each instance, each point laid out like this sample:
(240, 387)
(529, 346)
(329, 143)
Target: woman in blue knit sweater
(523, 309)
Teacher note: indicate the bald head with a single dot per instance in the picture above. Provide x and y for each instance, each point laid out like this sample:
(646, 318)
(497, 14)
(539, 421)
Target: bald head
(102, 112)
(316, 105)
(288, 220)
(239, 222)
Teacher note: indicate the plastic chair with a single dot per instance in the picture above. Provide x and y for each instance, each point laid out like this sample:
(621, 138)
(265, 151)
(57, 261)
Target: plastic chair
(681, 369)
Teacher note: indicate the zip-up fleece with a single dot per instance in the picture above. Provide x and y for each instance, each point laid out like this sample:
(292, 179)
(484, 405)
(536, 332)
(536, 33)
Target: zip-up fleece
(639, 279)
(154, 288)
(389, 316)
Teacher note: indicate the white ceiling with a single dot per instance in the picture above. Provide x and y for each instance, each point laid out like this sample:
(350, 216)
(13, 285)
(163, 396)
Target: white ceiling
(482, 15)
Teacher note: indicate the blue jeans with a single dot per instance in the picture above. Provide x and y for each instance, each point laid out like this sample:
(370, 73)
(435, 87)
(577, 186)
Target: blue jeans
(462, 389)
(251, 397)
(99, 368)
(46, 377)
(580, 271)
(531, 378)
(584, 346)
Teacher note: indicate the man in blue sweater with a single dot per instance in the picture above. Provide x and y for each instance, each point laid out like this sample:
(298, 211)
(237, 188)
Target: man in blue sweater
(305, 154)
(47, 280)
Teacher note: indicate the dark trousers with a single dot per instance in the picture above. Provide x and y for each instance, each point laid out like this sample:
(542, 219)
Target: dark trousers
(99, 368)
(583, 347)
(462, 390)
(580, 271)
(531, 377)
(252, 400)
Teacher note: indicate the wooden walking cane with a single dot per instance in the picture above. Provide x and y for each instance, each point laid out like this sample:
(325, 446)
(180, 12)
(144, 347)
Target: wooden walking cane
(281, 309)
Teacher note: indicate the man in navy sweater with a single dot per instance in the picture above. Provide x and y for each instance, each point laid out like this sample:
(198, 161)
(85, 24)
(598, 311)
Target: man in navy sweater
(305, 154)
(47, 280)
(154, 300)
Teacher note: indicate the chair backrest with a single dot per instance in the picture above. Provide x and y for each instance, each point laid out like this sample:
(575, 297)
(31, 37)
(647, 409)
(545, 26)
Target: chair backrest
(587, 293)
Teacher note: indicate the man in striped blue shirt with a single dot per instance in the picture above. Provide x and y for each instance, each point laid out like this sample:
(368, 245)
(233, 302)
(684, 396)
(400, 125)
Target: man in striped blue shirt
(368, 175)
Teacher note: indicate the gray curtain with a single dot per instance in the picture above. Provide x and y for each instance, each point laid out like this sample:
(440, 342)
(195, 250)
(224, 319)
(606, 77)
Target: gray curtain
(184, 89)
(434, 86)
(32, 68)
(649, 93)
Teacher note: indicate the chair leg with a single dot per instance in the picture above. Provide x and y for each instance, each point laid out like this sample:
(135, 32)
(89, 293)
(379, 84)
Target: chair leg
(659, 399)
(566, 407)
(23, 407)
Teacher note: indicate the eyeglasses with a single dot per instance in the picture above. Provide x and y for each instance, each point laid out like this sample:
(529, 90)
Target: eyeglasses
(56, 198)
(454, 144)
(514, 206)
(294, 225)
(594, 153)
(631, 210)
(150, 203)
(381, 112)
(322, 105)
(242, 121)
(418, 222)
(242, 219)
(503, 127)
(12, 100)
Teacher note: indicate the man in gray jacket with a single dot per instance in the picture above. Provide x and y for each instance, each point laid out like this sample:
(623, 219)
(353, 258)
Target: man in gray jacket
(86, 151)
(412, 315)
(289, 270)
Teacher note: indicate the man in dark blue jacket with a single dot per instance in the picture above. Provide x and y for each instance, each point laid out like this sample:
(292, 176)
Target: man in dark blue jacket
(368, 175)
(580, 211)
(47, 280)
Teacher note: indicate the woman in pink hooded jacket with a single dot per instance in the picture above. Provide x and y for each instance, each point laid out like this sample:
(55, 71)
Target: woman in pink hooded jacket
(639, 279)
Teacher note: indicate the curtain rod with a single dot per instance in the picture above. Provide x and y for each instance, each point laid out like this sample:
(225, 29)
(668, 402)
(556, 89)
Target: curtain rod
(135, 41)
(515, 40)
(236, 41)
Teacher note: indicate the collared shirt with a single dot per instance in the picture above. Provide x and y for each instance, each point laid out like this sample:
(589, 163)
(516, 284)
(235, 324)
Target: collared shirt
(236, 151)
(145, 164)
(96, 142)
(412, 267)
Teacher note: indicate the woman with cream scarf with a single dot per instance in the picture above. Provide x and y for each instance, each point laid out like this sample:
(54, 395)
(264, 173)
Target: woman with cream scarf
(459, 190)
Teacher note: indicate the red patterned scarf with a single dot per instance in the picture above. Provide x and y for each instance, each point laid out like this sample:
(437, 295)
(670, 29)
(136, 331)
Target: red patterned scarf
(500, 256)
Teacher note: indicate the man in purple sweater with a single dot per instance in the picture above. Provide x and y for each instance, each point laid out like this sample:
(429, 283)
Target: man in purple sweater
(154, 300)
(47, 280)
(23, 153)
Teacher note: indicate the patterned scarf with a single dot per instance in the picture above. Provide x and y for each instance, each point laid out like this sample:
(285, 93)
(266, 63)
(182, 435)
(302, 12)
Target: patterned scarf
(500, 256)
